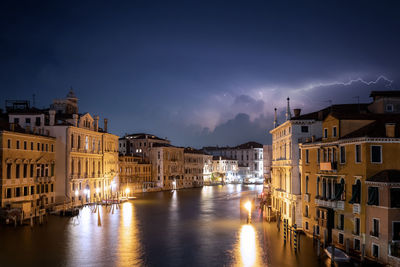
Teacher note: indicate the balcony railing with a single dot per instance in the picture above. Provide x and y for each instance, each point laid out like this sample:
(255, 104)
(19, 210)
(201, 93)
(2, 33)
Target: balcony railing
(328, 166)
(356, 208)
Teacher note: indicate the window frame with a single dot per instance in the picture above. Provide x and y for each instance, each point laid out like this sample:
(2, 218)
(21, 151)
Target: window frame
(381, 154)
(342, 159)
(356, 159)
(334, 131)
(325, 132)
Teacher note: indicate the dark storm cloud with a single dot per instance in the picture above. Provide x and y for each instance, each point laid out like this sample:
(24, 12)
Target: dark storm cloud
(185, 70)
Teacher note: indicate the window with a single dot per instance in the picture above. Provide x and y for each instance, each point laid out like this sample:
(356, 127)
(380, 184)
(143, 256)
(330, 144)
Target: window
(395, 197)
(17, 168)
(27, 120)
(8, 193)
(8, 143)
(389, 107)
(38, 146)
(306, 212)
(339, 190)
(356, 226)
(17, 144)
(375, 251)
(396, 231)
(31, 171)
(25, 190)
(8, 170)
(304, 129)
(358, 153)
(86, 143)
(376, 154)
(306, 225)
(356, 193)
(79, 142)
(325, 133)
(334, 131)
(52, 148)
(16, 120)
(373, 196)
(340, 222)
(318, 180)
(375, 228)
(25, 170)
(37, 121)
(341, 239)
(306, 184)
(18, 192)
(318, 155)
(32, 190)
(25, 145)
(307, 159)
(357, 244)
(31, 145)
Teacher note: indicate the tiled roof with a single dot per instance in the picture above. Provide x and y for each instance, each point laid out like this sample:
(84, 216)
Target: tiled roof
(386, 176)
(377, 128)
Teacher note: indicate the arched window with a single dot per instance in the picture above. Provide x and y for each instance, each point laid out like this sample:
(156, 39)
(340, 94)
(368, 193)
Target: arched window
(72, 141)
(79, 167)
(72, 167)
(324, 188)
(318, 181)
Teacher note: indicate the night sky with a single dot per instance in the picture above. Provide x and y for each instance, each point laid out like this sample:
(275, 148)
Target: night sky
(198, 72)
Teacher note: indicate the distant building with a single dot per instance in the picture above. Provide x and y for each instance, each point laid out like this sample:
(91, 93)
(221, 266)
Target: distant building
(167, 166)
(267, 163)
(224, 170)
(139, 144)
(134, 175)
(249, 157)
(194, 163)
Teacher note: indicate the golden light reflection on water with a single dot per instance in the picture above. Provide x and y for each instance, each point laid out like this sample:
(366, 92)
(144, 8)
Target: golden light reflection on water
(247, 249)
(129, 244)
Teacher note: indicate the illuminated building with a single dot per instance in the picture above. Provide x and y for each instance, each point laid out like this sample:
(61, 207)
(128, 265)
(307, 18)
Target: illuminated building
(350, 180)
(134, 174)
(27, 177)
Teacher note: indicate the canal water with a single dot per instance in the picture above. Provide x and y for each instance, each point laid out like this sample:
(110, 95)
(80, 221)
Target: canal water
(193, 227)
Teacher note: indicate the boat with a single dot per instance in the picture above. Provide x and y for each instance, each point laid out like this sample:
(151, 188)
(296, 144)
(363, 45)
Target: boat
(340, 255)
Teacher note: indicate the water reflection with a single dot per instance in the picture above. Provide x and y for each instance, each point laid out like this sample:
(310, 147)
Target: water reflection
(129, 250)
(247, 248)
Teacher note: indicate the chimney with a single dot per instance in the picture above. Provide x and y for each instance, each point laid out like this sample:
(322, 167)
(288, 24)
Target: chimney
(52, 119)
(12, 127)
(275, 119)
(390, 129)
(313, 138)
(96, 123)
(297, 112)
(105, 125)
(288, 114)
(320, 115)
(75, 118)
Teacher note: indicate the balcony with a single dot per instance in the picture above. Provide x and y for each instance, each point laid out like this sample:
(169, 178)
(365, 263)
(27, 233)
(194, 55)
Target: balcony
(328, 166)
(356, 208)
(325, 203)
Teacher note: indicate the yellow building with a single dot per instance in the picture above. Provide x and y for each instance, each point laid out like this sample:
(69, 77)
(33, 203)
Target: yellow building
(167, 166)
(335, 170)
(194, 162)
(134, 175)
(86, 155)
(27, 176)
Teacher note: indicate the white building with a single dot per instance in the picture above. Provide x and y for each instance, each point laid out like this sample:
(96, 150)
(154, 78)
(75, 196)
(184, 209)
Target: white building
(285, 175)
(249, 157)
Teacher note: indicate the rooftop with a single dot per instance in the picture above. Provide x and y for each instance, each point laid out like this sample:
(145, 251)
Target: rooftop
(386, 176)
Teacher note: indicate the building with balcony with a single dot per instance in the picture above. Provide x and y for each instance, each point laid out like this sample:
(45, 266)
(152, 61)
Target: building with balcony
(285, 182)
(28, 178)
(345, 199)
(134, 175)
(167, 166)
(86, 155)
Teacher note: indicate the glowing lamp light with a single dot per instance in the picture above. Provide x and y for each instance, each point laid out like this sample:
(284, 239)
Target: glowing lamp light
(97, 190)
(85, 191)
(113, 185)
(247, 205)
(127, 191)
(76, 193)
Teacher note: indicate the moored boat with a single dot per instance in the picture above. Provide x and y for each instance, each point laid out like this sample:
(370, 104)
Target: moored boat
(340, 255)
